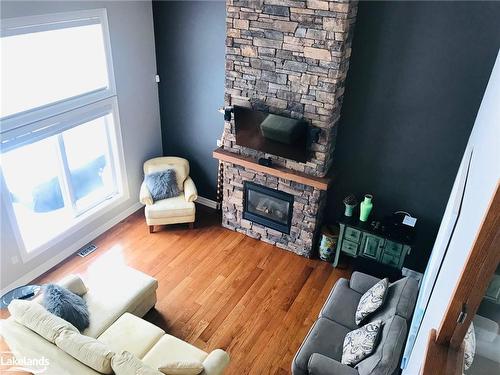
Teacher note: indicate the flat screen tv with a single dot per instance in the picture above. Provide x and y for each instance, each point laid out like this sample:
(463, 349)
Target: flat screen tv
(272, 134)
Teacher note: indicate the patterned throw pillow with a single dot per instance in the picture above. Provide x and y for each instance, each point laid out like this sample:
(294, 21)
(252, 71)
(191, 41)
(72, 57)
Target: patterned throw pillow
(470, 346)
(162, 185)
(372, 300)
(360, 343)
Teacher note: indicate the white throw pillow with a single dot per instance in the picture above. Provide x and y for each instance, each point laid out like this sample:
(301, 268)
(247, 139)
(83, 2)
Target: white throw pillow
(34, 316)
(360, 343)
(372, 300)
(87, 350)
(125, 363)
(470, 346)
(181, 368)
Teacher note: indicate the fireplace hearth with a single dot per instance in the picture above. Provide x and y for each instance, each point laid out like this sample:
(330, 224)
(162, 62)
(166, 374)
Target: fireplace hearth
(269, 207)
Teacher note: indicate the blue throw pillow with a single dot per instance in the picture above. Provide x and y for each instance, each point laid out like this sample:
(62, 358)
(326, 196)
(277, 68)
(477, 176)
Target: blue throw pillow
(162, 185)
(67, 305)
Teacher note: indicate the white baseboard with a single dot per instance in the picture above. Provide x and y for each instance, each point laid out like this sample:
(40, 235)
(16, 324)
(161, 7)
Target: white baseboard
(207, 202)
(44, 267)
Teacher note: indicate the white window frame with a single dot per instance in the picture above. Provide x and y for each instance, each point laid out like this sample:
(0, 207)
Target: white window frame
(23, 25)
(39, 123)
(66, 121)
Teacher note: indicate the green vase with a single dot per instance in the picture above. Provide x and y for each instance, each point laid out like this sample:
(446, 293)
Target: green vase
(365, 208)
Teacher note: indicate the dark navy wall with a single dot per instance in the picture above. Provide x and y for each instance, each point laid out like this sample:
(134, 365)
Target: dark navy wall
(190, 40)
(417, 76)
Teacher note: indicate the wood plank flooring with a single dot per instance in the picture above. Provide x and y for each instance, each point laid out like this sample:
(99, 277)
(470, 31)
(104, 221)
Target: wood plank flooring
(218, 288)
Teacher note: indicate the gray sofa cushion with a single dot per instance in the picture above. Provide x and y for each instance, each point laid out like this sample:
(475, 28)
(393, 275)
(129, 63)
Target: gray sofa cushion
(325, 337)
(361, 282)
(400, 300)
(408, 297)
(341, 305)
(322, 365)
(385, 359)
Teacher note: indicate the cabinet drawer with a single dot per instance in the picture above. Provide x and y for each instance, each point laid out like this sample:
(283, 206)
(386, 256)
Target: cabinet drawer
(371, 246)
(390, 259)
(352, 234)
(393, 248)
(349, 247)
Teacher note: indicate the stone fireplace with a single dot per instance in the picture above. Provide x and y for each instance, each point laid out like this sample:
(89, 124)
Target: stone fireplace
(290, 58)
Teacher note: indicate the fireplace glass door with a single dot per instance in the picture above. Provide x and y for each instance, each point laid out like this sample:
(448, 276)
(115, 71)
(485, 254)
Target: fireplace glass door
(269, 207)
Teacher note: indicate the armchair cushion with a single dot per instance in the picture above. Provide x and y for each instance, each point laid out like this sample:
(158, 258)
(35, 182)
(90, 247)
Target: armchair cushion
(172, 207)
(320, 364)
(162, 184)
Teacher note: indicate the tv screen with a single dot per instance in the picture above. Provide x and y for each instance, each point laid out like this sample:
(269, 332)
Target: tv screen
(272, 134)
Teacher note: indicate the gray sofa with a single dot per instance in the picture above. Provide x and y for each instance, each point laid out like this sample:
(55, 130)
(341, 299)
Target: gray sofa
(321, 351)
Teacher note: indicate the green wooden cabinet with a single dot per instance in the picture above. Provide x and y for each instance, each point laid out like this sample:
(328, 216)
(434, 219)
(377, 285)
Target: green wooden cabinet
(355, 241)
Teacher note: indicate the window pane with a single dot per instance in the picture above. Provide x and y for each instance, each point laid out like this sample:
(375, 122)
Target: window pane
(52, 182)
(89, 163)
(44, 67)
(32, 175)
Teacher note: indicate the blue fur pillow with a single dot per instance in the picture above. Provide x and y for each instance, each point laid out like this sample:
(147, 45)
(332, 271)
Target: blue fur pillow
(67, 305)
(162, 185)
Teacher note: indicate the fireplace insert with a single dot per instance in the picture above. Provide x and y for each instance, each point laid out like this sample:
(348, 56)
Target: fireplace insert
(269, 207)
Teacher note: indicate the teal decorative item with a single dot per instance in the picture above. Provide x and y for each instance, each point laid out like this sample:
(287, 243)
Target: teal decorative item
(365, 207)
(350, 202)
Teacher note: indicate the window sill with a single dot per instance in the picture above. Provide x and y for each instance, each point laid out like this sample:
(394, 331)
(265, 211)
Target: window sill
(78, 225)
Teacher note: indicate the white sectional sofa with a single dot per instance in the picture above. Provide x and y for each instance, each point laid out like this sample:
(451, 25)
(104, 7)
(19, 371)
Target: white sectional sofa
(115, 305)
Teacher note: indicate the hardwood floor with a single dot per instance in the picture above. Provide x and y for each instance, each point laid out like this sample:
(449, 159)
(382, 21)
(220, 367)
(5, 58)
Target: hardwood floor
(218, 288)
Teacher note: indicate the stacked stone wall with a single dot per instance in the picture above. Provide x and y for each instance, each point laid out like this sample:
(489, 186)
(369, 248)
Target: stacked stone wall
(287, 57)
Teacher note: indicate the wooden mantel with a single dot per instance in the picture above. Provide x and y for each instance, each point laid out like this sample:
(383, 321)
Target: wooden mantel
(280, 172)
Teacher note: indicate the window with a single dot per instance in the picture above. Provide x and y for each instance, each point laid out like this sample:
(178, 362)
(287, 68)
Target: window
(61, 156)
(53, 63)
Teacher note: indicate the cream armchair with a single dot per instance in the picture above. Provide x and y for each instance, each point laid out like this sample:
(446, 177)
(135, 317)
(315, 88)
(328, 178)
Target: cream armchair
(174, 210)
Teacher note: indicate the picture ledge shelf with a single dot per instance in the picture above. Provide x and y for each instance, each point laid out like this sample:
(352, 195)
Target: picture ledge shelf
(320, 183)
